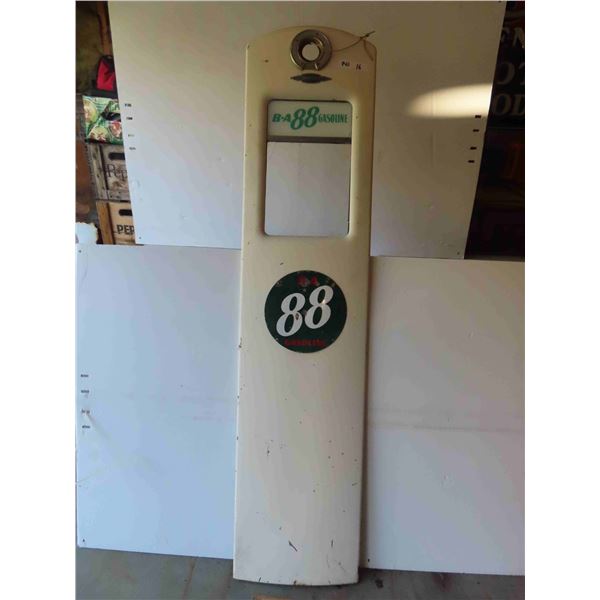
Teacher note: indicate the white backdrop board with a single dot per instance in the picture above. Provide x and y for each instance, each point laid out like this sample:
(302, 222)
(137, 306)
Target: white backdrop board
(157, 333)
(444, 460)
(180, 71)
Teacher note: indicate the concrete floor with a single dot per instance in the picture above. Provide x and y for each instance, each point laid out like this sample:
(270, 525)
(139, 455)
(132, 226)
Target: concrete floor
(110, 575)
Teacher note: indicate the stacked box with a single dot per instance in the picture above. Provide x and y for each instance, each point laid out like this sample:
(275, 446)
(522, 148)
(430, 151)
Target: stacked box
(106, 158)
(121, 219)
(102, 120)
(109, 171)
(116, 222)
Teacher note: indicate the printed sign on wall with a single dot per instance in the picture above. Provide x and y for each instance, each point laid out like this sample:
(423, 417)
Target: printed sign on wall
(305, 311)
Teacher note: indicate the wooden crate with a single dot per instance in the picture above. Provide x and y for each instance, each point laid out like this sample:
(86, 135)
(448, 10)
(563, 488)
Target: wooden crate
(116, 222)
(109, 171)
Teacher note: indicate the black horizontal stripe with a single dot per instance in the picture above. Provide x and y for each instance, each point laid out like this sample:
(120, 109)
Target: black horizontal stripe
(303, 139)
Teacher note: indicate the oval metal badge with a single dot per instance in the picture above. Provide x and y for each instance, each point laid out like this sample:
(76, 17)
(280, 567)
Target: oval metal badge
(305, 311)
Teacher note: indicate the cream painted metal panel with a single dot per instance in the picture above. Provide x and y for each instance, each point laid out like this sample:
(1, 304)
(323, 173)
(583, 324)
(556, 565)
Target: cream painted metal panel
(300, 416)
(444, 462)
(180, 68)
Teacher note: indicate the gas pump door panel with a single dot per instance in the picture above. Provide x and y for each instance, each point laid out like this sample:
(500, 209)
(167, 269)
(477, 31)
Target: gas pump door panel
(304, 308)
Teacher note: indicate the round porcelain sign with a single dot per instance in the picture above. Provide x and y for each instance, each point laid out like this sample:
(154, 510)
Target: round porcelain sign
(305, 311)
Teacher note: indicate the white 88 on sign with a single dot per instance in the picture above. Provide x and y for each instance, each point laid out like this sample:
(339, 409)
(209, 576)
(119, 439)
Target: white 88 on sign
(291, 319)
(305, 311)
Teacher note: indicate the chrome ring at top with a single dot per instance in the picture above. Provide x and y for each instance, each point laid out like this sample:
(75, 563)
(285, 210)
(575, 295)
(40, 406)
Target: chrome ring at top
(311, 36)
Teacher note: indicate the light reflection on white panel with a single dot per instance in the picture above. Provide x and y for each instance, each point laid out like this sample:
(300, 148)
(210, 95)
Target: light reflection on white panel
(308, 189)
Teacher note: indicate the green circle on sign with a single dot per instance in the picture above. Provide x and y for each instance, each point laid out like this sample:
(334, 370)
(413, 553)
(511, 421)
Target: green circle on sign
(305, 311)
